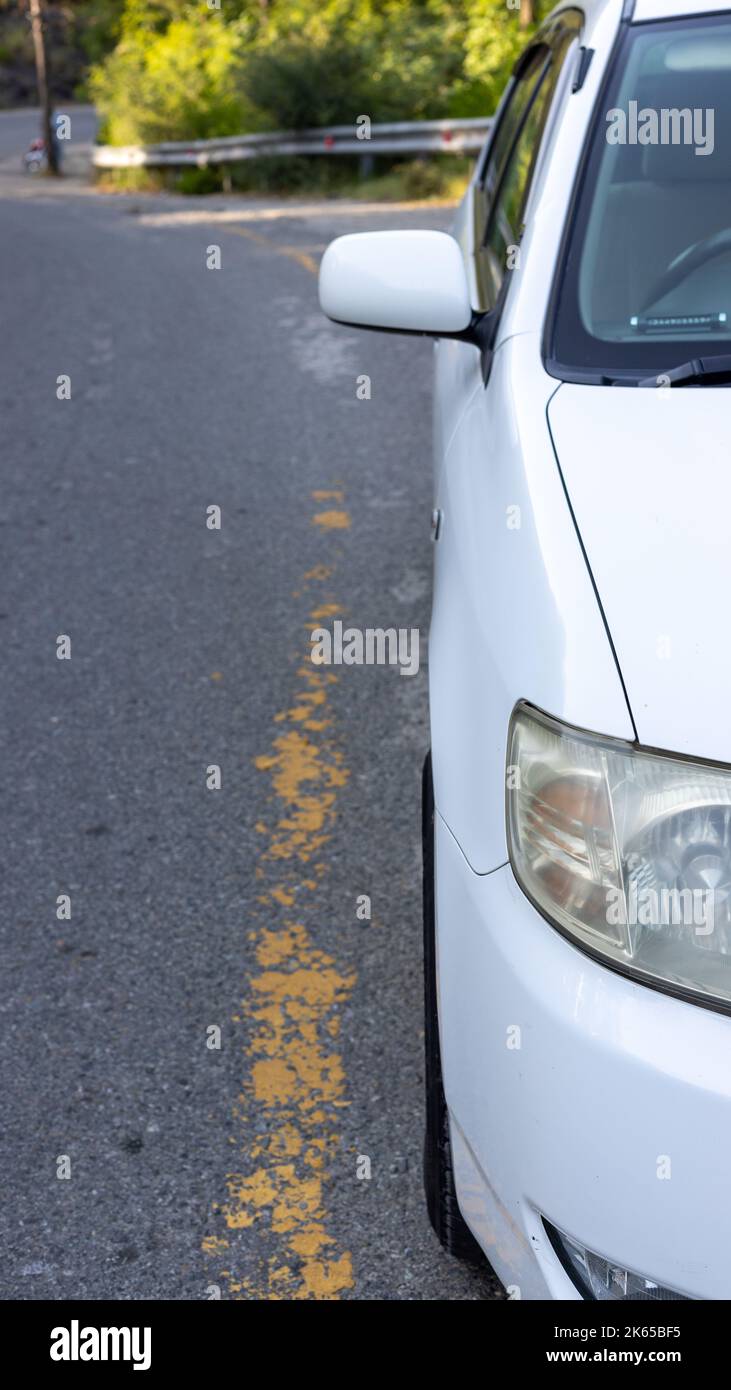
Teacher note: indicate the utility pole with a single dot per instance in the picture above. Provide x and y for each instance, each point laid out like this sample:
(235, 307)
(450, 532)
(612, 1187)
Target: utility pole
(527, 13)
(44, 96)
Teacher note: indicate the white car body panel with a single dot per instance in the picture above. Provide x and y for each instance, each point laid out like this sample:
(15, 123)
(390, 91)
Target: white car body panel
(515, 611)
(659, 545)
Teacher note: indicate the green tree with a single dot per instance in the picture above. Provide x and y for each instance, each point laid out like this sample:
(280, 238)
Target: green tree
(175, 74)
(326, 64)
(180, 69)
(495, 34)
(77, 32)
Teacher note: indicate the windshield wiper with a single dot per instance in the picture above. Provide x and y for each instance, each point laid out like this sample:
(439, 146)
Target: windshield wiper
(699, 371)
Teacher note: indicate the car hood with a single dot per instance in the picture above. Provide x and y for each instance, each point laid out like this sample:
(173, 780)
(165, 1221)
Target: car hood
(648, 476)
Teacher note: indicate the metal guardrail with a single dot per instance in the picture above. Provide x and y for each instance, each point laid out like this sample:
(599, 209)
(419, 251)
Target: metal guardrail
(400, 137)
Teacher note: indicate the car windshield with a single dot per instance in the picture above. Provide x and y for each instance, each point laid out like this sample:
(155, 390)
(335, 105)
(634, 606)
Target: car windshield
(645, 279)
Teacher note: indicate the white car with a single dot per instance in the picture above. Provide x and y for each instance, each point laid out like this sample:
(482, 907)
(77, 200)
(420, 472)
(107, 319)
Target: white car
(577, 799)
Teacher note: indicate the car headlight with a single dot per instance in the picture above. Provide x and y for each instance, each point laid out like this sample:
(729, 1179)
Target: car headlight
(627, 852)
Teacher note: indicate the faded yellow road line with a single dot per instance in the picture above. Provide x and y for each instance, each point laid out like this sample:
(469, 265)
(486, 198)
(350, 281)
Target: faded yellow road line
(334, 518)
(292, 252)
(294, 1077)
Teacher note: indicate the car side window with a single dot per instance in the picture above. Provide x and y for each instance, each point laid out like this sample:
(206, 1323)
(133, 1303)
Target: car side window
(511, 162)
(519, 100)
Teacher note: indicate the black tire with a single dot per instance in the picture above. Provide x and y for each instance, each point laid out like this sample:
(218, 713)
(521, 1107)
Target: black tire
(441, 1197)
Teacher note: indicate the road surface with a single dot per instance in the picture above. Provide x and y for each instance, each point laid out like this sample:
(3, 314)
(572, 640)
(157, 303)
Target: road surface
(19, 127)
(213, 1068)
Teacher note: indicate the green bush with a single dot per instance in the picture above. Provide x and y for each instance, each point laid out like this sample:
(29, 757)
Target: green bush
(199, 181)
(180, 83)
(400, 70)
(295, 84)
(422, 178)
(295, 175)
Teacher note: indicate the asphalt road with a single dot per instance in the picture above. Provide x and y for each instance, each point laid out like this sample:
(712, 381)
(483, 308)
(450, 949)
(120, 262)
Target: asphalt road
(19, 127)
(139, 1159)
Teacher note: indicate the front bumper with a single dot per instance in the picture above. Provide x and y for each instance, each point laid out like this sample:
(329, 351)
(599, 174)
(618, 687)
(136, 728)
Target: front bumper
(577, 1095)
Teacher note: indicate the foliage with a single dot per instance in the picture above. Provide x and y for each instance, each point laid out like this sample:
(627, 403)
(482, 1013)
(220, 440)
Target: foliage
(182, 69)
(491, 45)
(330, 63)
(96, 27)
(173, 81)
(78, 32)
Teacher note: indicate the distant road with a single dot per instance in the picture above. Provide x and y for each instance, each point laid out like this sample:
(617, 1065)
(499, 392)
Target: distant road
(20, 126)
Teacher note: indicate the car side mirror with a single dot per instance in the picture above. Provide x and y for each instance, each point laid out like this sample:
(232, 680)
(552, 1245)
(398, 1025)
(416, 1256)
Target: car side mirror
(399, 282)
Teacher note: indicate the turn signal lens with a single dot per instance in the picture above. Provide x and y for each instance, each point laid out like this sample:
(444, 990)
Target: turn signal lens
(597, 1278)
